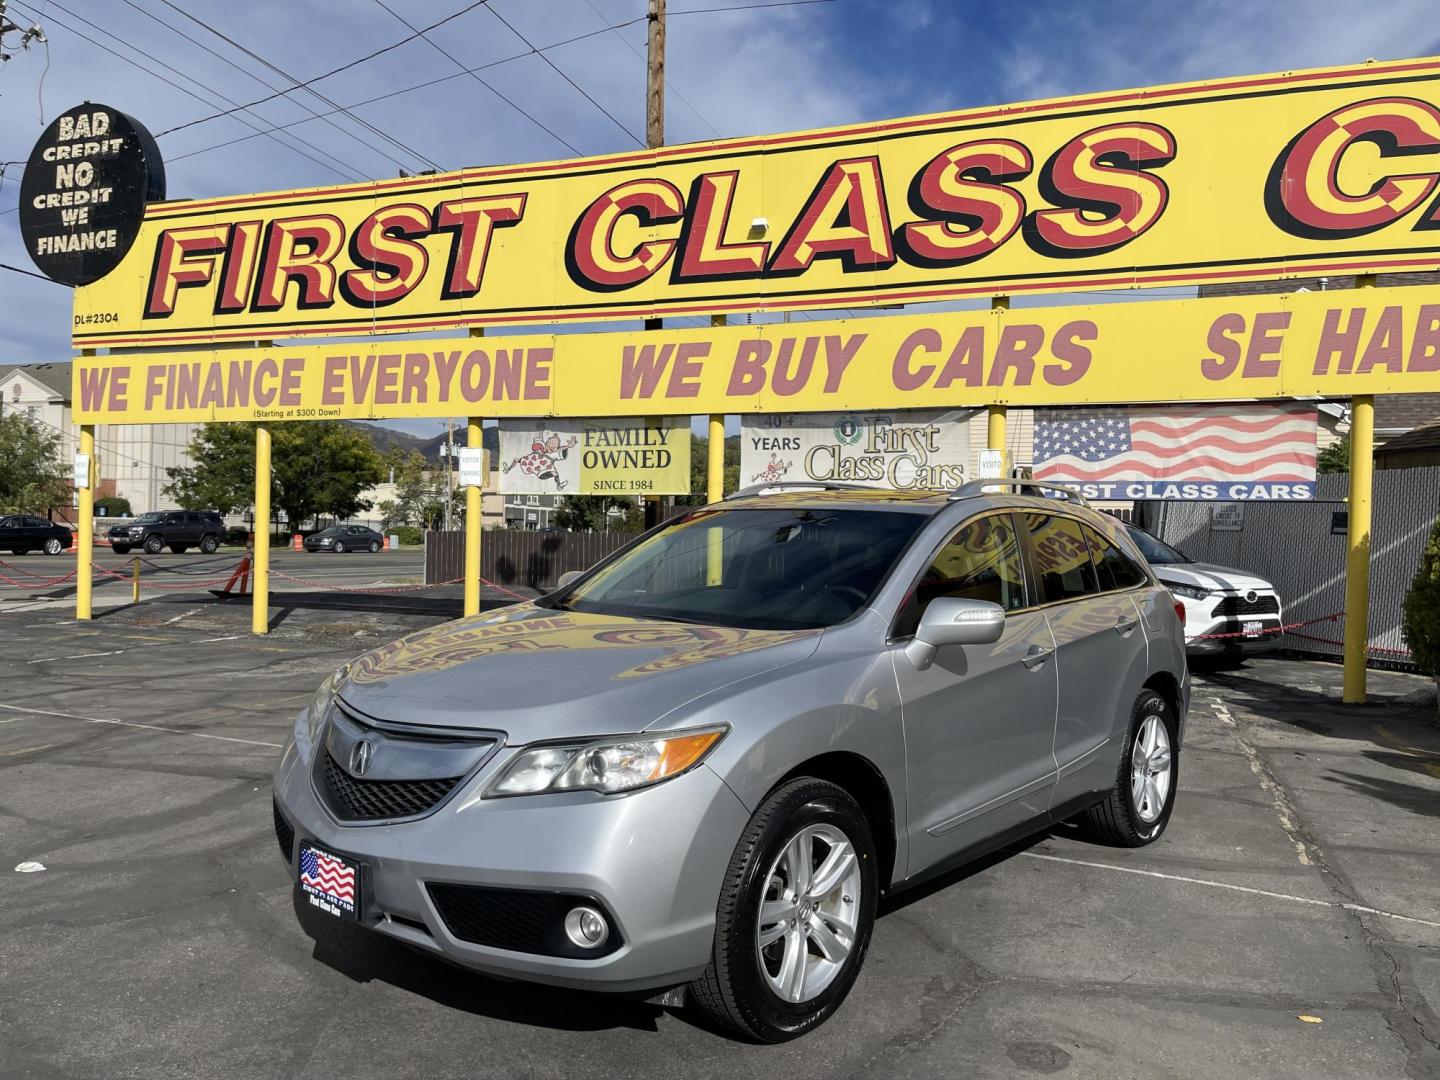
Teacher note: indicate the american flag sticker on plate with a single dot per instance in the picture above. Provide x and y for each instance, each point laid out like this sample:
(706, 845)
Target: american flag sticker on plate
(330, 883)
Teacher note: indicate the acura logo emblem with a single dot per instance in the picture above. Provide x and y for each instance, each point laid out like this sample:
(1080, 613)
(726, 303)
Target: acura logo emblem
(360, 757)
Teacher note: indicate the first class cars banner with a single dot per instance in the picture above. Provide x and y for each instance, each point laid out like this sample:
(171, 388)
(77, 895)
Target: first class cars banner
(900, 448)
(1315, 172)
(1333, 344)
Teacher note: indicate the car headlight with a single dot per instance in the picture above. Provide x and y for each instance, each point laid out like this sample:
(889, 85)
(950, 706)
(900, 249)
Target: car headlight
(312, 720)
(136, 531)
(1194, 592)
(611, 765)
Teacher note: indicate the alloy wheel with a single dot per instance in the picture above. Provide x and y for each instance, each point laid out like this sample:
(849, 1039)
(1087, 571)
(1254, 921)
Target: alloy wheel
(808, 913)
(1150, 769)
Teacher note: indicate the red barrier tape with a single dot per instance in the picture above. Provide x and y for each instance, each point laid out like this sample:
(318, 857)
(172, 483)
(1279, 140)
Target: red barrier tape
(51, 583)
(1290, 628)
(375, 591)
(178, 586)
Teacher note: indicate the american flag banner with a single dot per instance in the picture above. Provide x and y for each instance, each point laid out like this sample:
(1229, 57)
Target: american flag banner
(1262, 451)
(327, 878)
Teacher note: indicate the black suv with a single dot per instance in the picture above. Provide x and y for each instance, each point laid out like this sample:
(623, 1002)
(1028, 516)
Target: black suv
(179, 530)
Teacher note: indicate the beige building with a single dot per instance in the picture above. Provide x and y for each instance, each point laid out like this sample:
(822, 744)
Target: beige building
(133, 458)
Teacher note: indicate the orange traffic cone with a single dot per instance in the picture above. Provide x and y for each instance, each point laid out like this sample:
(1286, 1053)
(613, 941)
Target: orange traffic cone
(297, 542)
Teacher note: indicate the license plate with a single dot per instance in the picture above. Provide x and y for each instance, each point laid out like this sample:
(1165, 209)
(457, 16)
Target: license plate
(1254, 628)
(330, 882)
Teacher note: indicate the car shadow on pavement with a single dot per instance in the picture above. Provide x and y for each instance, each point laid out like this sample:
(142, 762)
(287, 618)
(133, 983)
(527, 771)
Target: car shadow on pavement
(365, 956)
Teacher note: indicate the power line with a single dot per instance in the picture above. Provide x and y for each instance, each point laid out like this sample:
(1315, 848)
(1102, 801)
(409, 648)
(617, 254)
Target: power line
(353, 173)
(256, 78)
(421, 86)
(459, 64)
(752, 7)
(668, 84)
(416, 154)
(567, 78)
(334, 71)
(31, 273)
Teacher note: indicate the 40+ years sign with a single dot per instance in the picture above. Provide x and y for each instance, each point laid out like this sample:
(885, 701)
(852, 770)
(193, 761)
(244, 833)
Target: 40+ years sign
(1330, 344)
(1326, 171)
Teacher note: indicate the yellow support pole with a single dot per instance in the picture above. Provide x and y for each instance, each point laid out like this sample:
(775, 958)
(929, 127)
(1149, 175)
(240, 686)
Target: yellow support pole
(1357, 548)
(473, 439)
(715, 487)
(260, 598)
(135, 580)
(995, 427)
(85, 527)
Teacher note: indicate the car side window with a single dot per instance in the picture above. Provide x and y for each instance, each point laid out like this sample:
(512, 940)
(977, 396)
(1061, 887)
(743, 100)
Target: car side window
(1116, 569)
(980, 561)
(1063, 561)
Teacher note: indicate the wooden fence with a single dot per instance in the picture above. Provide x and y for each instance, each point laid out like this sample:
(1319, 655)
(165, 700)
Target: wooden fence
(515, 557)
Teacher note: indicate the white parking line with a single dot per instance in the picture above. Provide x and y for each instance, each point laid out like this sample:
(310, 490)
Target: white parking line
(146, 727)
(132, 648)
(1344, 905)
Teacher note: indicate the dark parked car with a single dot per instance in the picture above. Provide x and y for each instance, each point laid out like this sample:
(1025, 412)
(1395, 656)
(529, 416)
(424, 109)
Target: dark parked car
(22, 532)
(179, 530)
(345, 538)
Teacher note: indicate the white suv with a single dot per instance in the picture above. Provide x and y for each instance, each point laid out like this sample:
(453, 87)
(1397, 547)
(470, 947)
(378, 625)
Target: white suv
(1226, 610)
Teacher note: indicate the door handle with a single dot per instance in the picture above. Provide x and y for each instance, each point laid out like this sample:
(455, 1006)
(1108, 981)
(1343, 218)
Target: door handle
(1036, 656)
(1125, 627)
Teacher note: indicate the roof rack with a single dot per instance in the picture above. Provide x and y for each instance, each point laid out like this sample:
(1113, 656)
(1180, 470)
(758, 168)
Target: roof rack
(975, 488)
(795, 485)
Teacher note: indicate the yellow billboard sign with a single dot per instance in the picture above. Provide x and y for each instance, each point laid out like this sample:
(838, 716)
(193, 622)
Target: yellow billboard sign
(1313, 172)
(1363, 341)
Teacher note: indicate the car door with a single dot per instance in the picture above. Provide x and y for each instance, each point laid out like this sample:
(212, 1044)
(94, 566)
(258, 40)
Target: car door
(980, 721)
(1100, 650)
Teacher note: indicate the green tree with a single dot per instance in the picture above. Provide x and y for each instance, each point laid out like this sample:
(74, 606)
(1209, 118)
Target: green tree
(113, 506)
(591, 512)
(1335, 458)
(318, 467)
(419, 495)
(1421, 623)
(700, 470)
(32, 476)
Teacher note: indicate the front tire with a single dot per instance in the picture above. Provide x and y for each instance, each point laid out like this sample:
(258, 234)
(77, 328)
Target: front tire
(154, 545)
(1139, 805)
(796, 911)
(53, 546)
(339, 547)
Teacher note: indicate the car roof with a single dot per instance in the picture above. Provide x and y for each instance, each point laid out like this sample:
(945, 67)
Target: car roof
(928, 503)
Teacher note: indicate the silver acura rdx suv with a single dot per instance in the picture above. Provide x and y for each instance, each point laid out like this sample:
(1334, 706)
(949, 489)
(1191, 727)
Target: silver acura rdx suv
(694, 770)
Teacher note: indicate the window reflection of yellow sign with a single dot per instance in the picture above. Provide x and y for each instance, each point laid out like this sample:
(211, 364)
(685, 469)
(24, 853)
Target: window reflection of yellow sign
(1375, 341)
(1255, 177)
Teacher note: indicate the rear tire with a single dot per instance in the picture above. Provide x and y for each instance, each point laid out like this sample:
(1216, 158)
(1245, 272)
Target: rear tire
(1139, 805)
(53, 546)
(209, 545)
(374, 547)
(738, 990)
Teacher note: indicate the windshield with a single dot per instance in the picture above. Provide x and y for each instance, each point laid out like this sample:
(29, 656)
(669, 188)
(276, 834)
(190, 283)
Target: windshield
(332, 531)
(758, 569)
(1155, 550)
(148, 519)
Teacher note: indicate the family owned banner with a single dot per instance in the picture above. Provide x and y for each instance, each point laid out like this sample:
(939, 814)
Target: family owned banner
(632, 456)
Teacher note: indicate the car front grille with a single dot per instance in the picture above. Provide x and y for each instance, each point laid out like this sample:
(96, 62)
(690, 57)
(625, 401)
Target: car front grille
(1233, 607)
(283, 832)
(354, 799)
(516, 919)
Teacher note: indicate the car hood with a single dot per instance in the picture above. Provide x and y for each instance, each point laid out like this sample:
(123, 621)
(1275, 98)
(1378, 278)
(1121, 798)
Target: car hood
(540, 674)
(1211, 576)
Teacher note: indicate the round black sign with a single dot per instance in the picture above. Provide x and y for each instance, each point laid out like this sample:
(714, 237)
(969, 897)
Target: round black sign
(84, 192)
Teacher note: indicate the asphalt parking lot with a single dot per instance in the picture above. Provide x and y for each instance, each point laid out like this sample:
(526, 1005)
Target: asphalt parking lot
(1300, 878)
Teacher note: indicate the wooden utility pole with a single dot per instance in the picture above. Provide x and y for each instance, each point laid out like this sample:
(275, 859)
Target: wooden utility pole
(655, 77)
(655, 136)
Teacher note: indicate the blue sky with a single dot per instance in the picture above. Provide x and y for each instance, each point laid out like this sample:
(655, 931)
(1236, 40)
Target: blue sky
(730, 73)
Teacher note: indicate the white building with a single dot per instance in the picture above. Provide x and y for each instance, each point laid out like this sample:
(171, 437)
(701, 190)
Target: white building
(133, 458)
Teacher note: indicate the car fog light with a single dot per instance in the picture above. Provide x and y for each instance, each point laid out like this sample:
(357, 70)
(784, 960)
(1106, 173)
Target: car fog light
(586, 928)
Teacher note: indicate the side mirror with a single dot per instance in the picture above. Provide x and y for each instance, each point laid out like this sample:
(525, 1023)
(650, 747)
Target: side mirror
(951, 621)
(569, 576)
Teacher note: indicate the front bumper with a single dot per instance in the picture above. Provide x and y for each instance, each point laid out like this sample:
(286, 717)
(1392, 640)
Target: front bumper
(654, 860)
